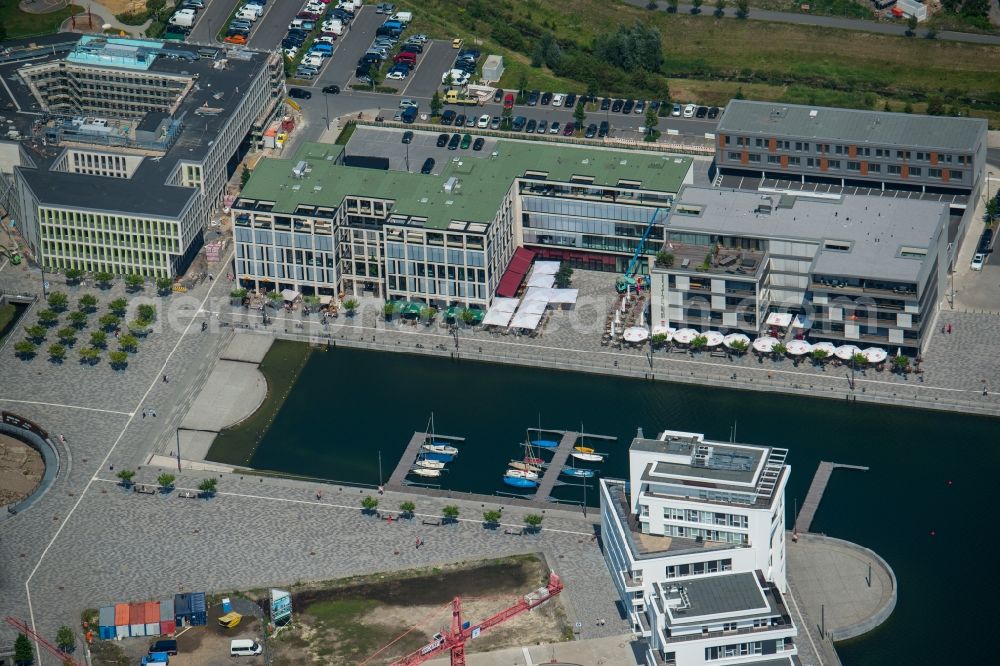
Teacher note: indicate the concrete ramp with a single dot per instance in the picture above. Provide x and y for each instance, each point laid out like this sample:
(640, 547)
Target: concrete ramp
(233, 392)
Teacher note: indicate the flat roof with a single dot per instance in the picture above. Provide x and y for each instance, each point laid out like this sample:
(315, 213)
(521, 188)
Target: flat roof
(877, 229)
(482, 182)
(116, 52)
(727, 594)
(852, 125)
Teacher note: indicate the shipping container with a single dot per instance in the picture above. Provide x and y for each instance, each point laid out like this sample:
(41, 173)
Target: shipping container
(168, 627)
(121, 632)
(152, 618)
(121, 621)
(199, 609)
(189, 609)
(137, 619)
(166, 610)
(106, 623)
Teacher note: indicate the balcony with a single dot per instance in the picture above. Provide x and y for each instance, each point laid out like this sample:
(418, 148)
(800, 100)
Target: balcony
(834, 286)
(632, 581)
(713, 260)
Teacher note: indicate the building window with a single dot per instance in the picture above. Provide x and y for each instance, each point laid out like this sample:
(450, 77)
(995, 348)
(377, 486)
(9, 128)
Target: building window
(733, 156)
(933, 173)
(874, 168)
(839, 150)
(954, 175)
(854, 166)
(773, 159)
(893, 169)
(795, 161)
(754, 157)
(833, 164)
(915, 171)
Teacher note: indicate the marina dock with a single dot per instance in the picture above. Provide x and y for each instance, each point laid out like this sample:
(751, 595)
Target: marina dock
(568, 439)
(406, 461)
(816, 489)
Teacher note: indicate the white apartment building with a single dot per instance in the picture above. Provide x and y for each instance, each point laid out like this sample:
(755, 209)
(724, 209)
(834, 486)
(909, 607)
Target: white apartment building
(695, 542)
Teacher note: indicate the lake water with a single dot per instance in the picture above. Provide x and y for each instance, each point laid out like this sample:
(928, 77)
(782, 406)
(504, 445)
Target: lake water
(914, 507)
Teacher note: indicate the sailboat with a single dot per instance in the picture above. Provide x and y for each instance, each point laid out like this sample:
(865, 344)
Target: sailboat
(440, 448)
(545, 444)
(519, 482)
(587, 457)
(433, 441)
(530, 455)
(584, 449)
(430, 464)
(423, 471)
(523, 474)
(526, 466)
(437, 457)
(578, 472)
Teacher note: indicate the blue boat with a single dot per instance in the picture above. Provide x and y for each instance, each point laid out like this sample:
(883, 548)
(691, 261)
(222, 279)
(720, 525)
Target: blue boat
(578, 472)
(442, 457)
(545, 444)
(518, 482)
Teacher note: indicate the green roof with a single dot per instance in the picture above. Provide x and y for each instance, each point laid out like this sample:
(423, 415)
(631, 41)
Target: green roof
(482, 181)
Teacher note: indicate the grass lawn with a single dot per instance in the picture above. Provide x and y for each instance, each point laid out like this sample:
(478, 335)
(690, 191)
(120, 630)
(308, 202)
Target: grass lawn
(281, 367)
(7, 314)
(770, 61)
(23, 24)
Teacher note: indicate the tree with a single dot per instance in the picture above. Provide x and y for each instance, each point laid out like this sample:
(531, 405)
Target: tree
(859, 359)
(427, 313)
(207, 486)
(931, 34)
(534, 521)
(450, 513)
(108, 321)
(67, 335)
(36, 332)
(819, 355)
(436, 104)
(57, 352)
(468, 316)
(24, 653)
(78, 319)
(98, 339)
(698, 342)
(742, 9)
(87, 303)
(887, 108)
(638, 47)
(911, 26)
(720, 8)
(73, 275)
(351, 305)
(128, 342)
(388, 310)
(166, 481)
(652, 120)
(506, 115)
(908, 108)
(665, 259)
(89, 355)
(48, 318)
(492, 518)
(118, 306)
(935, 106)
(25, 348)
(119, 359)
(659, 340)
(672, 6)
(900, 363)
(134, 282)
(58, 301)
(779, 349)
(103, 278)
(696, 6)
(369, 504)
(564, 276)
(739, 346)
(407, 508)
(580, 117)
(164, 285)
(65, 639)
(147, 312)
(522, 84)
(651, 5)
(245, 176)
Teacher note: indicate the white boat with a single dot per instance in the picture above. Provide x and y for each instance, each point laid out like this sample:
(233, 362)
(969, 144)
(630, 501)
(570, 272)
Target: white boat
(423, 471)
(521, 474)
(527, 467)
(440, 448)
(587, 457)
(430, 464)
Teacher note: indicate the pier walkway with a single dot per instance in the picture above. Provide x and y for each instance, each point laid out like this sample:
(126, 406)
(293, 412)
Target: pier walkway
(805, 517)
(406, 461)
(568, 439)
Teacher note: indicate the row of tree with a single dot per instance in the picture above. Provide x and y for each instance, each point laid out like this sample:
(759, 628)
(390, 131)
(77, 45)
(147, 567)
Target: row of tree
(449, 512)
(166, 481)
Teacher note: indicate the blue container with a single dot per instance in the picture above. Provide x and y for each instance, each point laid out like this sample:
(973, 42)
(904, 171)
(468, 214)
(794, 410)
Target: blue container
(190, 609)
(106, 623)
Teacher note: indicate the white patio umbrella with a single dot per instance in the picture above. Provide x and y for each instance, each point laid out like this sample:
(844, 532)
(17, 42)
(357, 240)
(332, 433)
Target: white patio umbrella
(618, 316)
(685, 335)
(828, 347)
(713, 338)
(733, 337)
(635, 334)
(875, 354)
(846, 352)
(613, 329)
(765, 344)
(798, 347)
(642, 318)
(663, 329)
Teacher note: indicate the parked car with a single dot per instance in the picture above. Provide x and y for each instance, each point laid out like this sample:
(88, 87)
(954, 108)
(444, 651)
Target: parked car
(448, 117)
(617, 105)
(396, 75)
(605, 103)
(508, 101)
(167, 645)
(591, 131)
(498, 96)
(454, 141)
(640, 106)
(543, 125)
(530, 127)
(484, 121)
(676, 110)
(558, 99)
(628, 106)
(406, 102)
(713, 112)
(569, 129)
(466, 141)
(407, 136)
(545, 99)
(409, 114)
(977, 261)
(460, 120)
(533, 98)
(478, 144)
(701, 112)
(470, 120)
(495, 122)
(570, 101)
(689, 111)
(299, 93)
(331, 90)
(554, 128)
(442, 140)
(985, 240)
(602, 131)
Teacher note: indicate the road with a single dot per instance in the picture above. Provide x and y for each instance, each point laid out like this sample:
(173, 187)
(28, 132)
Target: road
(892, 28)
(350, 47)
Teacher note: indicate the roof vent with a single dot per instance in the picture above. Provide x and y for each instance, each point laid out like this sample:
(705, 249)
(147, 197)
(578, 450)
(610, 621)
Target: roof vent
(317, 188)
(449, 202)
(299, 170)
(423, 200)
(813, 113)
(451, 185)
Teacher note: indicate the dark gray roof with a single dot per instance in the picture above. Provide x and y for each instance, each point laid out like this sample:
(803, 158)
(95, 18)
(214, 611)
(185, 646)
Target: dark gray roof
(729, 594)
(852, 126)
(725, 463)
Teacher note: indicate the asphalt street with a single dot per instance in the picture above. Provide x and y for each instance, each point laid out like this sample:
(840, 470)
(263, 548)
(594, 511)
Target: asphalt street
(437, 58)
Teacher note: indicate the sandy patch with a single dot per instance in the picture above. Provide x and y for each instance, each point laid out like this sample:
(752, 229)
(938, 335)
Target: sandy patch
(21, 470)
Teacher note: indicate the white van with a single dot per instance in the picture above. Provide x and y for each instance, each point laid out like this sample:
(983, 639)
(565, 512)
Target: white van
(244, 647)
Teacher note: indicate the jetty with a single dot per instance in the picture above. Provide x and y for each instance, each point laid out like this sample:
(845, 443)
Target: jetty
(803, 521)
(567, 440)
(410, 456)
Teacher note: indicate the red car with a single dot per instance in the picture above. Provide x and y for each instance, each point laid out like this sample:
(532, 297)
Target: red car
(568, 129)
(508, 101)
(406, 57)
(307, 16)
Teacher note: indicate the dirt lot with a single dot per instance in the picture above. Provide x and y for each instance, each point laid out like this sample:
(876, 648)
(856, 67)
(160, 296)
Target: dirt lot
(21, 469)
(344, 622)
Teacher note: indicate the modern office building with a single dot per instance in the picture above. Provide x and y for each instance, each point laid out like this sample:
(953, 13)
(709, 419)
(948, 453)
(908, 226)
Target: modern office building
(131, 146)
(851, 269)
(317, 223)
(695, 543)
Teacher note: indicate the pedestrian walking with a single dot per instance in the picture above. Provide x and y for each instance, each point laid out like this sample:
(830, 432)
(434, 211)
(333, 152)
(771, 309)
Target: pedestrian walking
(144, 413)
(164, 379)
(111, 467)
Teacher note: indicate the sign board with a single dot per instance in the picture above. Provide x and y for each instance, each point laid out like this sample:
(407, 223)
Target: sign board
(475, 632)
(281, 606)
(24, 424)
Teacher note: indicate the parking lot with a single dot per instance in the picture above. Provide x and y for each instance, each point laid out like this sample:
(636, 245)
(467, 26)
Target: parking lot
(271, 28)
(431, 64)
(387, 143)
(350, 47)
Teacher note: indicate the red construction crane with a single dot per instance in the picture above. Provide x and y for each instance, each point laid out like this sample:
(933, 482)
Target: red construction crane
(456, 636)
(22, 626)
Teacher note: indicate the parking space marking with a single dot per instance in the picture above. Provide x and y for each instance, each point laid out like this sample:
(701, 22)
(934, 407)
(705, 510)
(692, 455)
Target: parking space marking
(420, 61)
